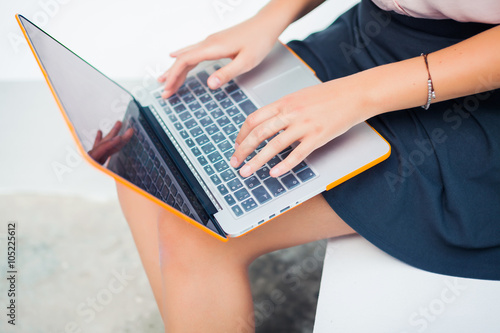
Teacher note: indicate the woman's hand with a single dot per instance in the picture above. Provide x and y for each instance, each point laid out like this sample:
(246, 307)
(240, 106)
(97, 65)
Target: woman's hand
(312, 116)
(247, 44)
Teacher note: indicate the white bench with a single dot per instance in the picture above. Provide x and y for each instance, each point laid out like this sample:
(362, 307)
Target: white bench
(365, 290)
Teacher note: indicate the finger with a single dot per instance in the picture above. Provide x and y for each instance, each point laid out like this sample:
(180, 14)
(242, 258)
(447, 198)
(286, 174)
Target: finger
(163, 77)
(277, 144)
(295, 157)
(237, 66)
(255, 137)
(172, 88)
(98, 138)
(254, 120)
(189, 60)
(178, 52)
(114, 131)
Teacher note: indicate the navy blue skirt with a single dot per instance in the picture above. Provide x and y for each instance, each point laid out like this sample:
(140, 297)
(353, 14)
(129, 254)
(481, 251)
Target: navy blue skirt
(435, 203)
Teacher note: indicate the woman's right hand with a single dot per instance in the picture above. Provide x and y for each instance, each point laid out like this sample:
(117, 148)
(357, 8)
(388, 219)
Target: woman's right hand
(247, 44)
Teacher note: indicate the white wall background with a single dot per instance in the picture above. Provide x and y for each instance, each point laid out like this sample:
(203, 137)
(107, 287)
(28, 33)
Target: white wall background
(126, 40)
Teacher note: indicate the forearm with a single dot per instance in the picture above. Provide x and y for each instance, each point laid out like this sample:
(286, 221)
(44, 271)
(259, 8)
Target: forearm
(469, 67)
(279, 14)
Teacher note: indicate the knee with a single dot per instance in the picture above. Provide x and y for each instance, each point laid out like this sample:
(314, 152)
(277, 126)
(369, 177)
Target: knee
(188, 248)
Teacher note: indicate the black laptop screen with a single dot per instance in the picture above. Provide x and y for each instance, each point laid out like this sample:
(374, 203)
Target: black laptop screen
(91, 100)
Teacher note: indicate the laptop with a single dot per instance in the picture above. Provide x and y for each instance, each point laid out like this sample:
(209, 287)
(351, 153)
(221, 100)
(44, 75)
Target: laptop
(178, 155)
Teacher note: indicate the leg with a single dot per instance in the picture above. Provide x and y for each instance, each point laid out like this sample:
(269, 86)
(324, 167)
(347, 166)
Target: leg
(205, 283)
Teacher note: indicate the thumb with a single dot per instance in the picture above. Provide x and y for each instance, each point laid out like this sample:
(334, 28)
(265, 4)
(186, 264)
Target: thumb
(237, 66)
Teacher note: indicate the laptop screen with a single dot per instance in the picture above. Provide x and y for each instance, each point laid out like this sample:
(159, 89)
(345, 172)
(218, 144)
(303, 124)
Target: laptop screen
(91, 100)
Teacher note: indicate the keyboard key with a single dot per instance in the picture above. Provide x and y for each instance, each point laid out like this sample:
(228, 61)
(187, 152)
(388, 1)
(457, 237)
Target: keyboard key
(231, 112)
(261, 194)
(190, 142)
(218, 137)
(206, 121)
(208, 148)
(222, 189)
(228, 154)
(226, 103)
(210, 106)
(241, 194)
(190, 123)
(200, 114)
(196, 151)
(274, 161)
(178, 199)
(184, 134)
(230, 200)
(196, 131)
(185, 209)
(202, 160)
(223, 121)
(237, 210)
(174, 100)
(224, 145)
(201, 140)
(217, 113)
(203, 76)
(234, 185)
(185, 116)
(173, 190)
(290, 181)
(200, 92)
(193, 83)
(274, 186)
(229, 129)
(214, 157)
(238, 96)
(239, 119)
(168, 180)
(220, 96)
(209, 170)
(227, 175)
(233, 137)
(231, 88)
(178, 126)
(263, 172)
(167, 110)
(215, 179)
(306, 174)
(183, 90)
(194, 106)
(221, 166)
(212, 129)
(180, 108)
(252, 182)
(188, 98)
(248, 107)
(299, 167)
(162, 102)
(172, 118)
(249, 204)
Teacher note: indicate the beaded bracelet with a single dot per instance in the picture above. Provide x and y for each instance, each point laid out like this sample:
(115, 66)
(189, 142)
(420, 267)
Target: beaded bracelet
(430, 87)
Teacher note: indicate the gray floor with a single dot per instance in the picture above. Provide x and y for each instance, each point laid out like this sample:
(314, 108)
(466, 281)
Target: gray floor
(78, 269)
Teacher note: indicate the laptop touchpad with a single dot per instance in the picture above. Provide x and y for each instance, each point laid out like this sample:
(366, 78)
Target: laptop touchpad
(283, 84)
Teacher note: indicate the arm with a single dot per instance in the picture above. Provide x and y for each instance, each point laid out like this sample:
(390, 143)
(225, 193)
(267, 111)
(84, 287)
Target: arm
(469, 67)
(246, 44)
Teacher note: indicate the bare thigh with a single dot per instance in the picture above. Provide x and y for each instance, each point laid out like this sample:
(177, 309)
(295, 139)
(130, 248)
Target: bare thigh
(155, 230)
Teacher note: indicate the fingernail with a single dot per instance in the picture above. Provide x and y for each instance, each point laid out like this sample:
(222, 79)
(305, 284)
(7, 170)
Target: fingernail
(274, 172)
(233, 161)
(236, 145)
(214, 82)
(245, 171)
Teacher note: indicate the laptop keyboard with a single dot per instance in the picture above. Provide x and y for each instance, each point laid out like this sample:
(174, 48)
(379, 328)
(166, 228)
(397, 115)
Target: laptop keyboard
(209, 121)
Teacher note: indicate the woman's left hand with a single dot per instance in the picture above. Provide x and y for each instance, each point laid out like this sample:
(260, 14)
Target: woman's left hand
(312, 116)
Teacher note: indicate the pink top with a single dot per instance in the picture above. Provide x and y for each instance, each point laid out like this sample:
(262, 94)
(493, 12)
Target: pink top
(483, 11)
